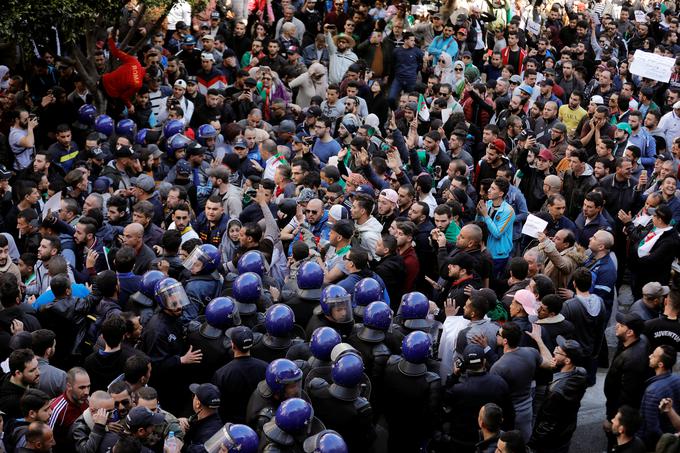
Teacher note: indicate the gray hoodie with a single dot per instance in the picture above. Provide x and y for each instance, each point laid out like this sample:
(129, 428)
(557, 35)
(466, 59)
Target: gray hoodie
(368, 234)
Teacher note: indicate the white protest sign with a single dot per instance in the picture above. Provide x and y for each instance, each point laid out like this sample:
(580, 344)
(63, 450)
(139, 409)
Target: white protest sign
(652, 66)
(533, 27)
(533, 226)
(640, 16)
(52, 205)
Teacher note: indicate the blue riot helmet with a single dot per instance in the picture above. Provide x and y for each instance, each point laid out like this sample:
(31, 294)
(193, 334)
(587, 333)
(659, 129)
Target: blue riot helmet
(279, 320)
(252, 261)
(104, 125)
(172, 128)
(336, 304)
(147, 288)
(247, 290)
(323, 340)
(87, 114)
(203, 260)
(280, 373)
(310, 280)
(206, 131)
(347, 372)
(126, 128)
(327, 441)
(294, 416)
(170, 294)
(377, 321)
(415, 349)
(220, 314)
(177, 142)
(140, 138)
(235, 438)
(366, 291)
(413, 311)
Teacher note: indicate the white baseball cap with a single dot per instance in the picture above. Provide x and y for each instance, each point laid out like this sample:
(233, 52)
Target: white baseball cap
(597, 100)
(180, 83)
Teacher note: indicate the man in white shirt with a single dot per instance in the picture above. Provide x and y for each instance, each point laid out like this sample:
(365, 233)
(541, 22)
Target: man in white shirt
(670, 125)
(177, 99)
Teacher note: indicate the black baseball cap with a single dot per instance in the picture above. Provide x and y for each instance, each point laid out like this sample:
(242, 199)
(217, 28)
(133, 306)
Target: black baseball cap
(242, 338)
(4, 173)
(571, 348)
(473, 354)
(141, 417)
(207, 394)
(631, 320)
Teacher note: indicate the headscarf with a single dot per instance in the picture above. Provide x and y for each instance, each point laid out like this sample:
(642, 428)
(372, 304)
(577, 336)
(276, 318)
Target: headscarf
(4, 84)
(445, 71)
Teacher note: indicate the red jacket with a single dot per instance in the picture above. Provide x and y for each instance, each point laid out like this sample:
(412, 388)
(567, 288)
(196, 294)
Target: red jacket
(123, 82)
(412, 266)
(505, 53)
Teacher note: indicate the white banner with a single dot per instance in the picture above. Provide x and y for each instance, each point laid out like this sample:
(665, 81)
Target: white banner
(652, 66)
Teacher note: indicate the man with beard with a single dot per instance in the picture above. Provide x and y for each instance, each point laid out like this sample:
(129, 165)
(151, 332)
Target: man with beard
(545, 123)
(22, 139)
(90, 252)
(515, 107)
(42, 165)
(239, 40)
(120, 169)
(488, 166)
(469, 240)
(572, 112)
(556, 417)
(387, 208)
(208, 112)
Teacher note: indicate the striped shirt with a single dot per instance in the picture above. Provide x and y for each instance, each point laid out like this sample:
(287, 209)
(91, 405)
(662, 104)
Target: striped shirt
(64, 413)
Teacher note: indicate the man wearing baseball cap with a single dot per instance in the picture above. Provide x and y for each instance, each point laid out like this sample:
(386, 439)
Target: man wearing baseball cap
(488, 166)
(238, 379)
(653, 295)
(177, 99)
(387, 208)
(556, 417)
(206, 421)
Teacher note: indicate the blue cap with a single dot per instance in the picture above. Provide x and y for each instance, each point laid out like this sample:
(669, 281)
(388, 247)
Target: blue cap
(240, 144)
(364, 188)
(527, 89)
(183, 167)
(188, 39)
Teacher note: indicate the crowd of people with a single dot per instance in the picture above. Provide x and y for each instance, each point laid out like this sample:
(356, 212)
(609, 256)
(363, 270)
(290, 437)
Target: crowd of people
(343, 226)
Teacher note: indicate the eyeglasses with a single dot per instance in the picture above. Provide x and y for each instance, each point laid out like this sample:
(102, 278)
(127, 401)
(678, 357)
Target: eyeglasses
(311, 211)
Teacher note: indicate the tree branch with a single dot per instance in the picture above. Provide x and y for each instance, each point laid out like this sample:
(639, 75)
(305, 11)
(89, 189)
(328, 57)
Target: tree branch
(87, 73)
(150, 32)
(131, 32)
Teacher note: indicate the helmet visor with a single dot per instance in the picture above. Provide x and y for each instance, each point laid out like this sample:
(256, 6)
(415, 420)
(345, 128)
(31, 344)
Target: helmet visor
(194, 262)
(174, 297)
(220, 441)
(340, 309)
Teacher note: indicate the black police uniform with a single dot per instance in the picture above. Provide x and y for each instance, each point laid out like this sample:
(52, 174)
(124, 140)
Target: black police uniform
(344, 411)
(375, 354)
(275, 440)
(269, 348)
(303, 307)
(163, 341)
(215, 346)
(262, 406)
(413, 415)
(319, 319)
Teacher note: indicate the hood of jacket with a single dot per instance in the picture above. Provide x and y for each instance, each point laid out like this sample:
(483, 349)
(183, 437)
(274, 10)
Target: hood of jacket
(592, 303)
(371, 225)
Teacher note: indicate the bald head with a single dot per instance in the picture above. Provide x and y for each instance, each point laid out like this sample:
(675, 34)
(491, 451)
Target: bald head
(314, 210)
(470, 236)
(100, 399)
(133, 235)
(553, 182)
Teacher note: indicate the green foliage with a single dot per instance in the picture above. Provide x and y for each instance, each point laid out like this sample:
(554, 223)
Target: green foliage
(26, 19)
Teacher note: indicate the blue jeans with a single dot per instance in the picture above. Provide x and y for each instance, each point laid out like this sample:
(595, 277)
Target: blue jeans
(396, 89)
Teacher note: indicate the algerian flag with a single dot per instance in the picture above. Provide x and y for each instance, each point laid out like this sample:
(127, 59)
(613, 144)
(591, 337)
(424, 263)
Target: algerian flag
(423, 111)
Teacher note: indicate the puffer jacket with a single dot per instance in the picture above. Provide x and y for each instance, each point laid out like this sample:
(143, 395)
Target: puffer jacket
(87, 436)
(560, 265)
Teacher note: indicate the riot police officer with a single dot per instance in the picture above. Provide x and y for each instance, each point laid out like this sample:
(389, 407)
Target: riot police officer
(335, 312)
(292, 424)
(210, 337)
(323, 340)
(142, 302)
(309, 282)
(413, 416)
(163, 341)
(281, 334)
(369, 339)
(233, 438)
(340, 405)
(367, 290)
(205, 282)
(251, 261)
(411, 316)
(327, 441)
(282, 380)
(247, 292)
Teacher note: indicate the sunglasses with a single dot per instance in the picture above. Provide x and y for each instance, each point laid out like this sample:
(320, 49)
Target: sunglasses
(458, 70)
(311, 211)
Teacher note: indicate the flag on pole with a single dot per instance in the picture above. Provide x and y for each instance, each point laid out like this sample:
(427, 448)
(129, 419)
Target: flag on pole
(423, 111)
